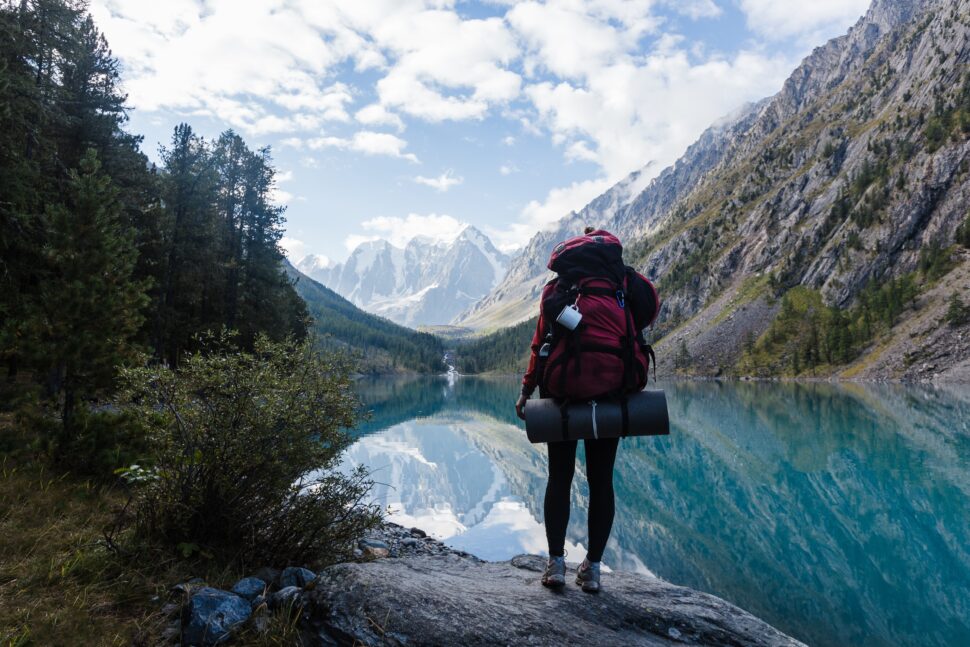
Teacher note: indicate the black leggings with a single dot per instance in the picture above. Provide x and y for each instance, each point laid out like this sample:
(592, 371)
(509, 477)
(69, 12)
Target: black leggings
(600, 456)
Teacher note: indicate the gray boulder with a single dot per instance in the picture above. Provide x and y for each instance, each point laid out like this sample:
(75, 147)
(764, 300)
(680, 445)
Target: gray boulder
(287, 597)
(211, 615)
(296, 576)
(249, 588)
(453, 600)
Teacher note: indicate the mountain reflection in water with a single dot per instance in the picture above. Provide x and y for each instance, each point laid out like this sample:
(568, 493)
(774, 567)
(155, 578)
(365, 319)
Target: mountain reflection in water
(840, 514)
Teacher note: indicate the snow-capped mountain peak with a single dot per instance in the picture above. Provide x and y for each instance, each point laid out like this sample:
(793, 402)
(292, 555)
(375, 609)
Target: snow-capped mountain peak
(314, 263)
(428, 282)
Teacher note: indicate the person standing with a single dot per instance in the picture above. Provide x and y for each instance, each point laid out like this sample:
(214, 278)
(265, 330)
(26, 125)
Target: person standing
(588, 344)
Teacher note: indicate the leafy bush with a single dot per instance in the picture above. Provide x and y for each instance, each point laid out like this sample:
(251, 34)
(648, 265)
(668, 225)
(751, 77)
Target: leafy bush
(246, 458)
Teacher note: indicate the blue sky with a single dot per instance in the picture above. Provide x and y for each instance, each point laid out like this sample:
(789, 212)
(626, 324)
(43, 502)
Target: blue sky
(393, 118)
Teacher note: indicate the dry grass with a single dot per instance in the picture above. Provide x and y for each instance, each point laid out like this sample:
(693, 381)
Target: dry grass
(61, 585)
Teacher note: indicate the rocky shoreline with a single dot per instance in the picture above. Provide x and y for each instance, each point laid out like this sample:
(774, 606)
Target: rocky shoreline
(405, 588)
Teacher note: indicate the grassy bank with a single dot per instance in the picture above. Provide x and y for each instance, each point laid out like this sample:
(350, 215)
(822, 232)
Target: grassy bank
(59, 584)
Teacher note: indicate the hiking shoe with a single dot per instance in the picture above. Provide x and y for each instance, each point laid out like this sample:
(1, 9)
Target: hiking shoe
(555, 574)
(588, 576)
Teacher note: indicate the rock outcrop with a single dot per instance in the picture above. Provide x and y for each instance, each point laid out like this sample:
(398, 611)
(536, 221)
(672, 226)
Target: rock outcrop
(406, 588)
(453, 600)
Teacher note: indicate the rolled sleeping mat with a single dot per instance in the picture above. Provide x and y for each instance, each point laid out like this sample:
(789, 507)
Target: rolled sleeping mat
(647, 416)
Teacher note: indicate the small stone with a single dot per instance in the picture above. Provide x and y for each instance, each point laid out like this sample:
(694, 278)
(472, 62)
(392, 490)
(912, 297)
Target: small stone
(287, 597)
(371, 543)
(185, 589)
(260, 601)
(673, 633)
(171, 609)
(410, 542)
(212, 615)
(417, 532)
(374, 552)
(358, 553)
(296, 576)
(249, 588)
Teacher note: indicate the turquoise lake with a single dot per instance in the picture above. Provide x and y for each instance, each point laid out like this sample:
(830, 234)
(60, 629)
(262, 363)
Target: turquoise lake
(839, 514)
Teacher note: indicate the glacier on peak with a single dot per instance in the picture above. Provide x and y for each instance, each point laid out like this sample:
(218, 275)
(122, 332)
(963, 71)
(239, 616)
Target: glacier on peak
(428, 281)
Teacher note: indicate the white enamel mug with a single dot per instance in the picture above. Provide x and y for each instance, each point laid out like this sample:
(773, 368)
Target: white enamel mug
(570, 317)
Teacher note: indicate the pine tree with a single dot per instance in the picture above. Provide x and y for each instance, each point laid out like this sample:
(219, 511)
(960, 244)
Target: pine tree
(957, 313)
(682, 360)
(87, 309)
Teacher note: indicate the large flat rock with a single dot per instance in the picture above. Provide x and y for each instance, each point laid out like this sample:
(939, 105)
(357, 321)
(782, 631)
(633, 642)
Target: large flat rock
(451, 599)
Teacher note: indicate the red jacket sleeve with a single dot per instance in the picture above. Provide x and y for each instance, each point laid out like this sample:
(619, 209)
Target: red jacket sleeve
(531, 378)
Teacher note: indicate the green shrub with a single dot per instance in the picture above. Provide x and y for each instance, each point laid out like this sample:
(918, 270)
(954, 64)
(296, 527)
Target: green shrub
(246, 458)
(957, 313)
(935, 260)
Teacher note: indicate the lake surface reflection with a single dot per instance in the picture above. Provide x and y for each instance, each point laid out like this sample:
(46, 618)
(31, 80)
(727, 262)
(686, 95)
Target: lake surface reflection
(840, 514)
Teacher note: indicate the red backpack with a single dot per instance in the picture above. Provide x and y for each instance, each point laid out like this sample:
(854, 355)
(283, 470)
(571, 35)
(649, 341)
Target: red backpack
(606, 355)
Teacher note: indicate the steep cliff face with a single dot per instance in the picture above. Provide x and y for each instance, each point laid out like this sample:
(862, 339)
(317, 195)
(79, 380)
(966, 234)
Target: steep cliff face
(849, 175)
(845, 179)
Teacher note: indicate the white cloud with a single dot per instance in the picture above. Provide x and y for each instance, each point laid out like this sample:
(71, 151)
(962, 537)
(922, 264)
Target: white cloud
(696, 9)
(293, 248)
(810, 21)
(632, 112)
(446, 68)
(574, 38)
(280, 197)
(441, 183)
(377, 115)
(399, 231)
(538, 215)
(367, 142)
(601, 79)
(258, 66)
(354, 241)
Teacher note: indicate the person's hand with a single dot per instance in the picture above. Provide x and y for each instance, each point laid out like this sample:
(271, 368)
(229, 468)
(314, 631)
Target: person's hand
(520, 406)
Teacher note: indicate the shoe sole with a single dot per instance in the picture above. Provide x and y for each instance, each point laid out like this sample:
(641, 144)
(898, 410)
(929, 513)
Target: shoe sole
(582, 585)
(553, 585)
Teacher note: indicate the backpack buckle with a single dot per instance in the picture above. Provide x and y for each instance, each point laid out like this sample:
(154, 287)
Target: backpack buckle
(621, 299)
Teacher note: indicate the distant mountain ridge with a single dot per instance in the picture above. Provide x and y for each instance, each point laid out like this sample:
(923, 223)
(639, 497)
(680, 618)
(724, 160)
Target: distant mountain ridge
(424, 283)
(855, 176)
(382, 346)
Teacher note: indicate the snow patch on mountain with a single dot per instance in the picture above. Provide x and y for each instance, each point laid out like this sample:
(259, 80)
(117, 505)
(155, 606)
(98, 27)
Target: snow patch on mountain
(428, 282)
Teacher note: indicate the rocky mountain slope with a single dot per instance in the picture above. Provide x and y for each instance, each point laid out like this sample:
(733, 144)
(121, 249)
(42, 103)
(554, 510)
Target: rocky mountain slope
(425, 283)
(851, 179)
(629, 209)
